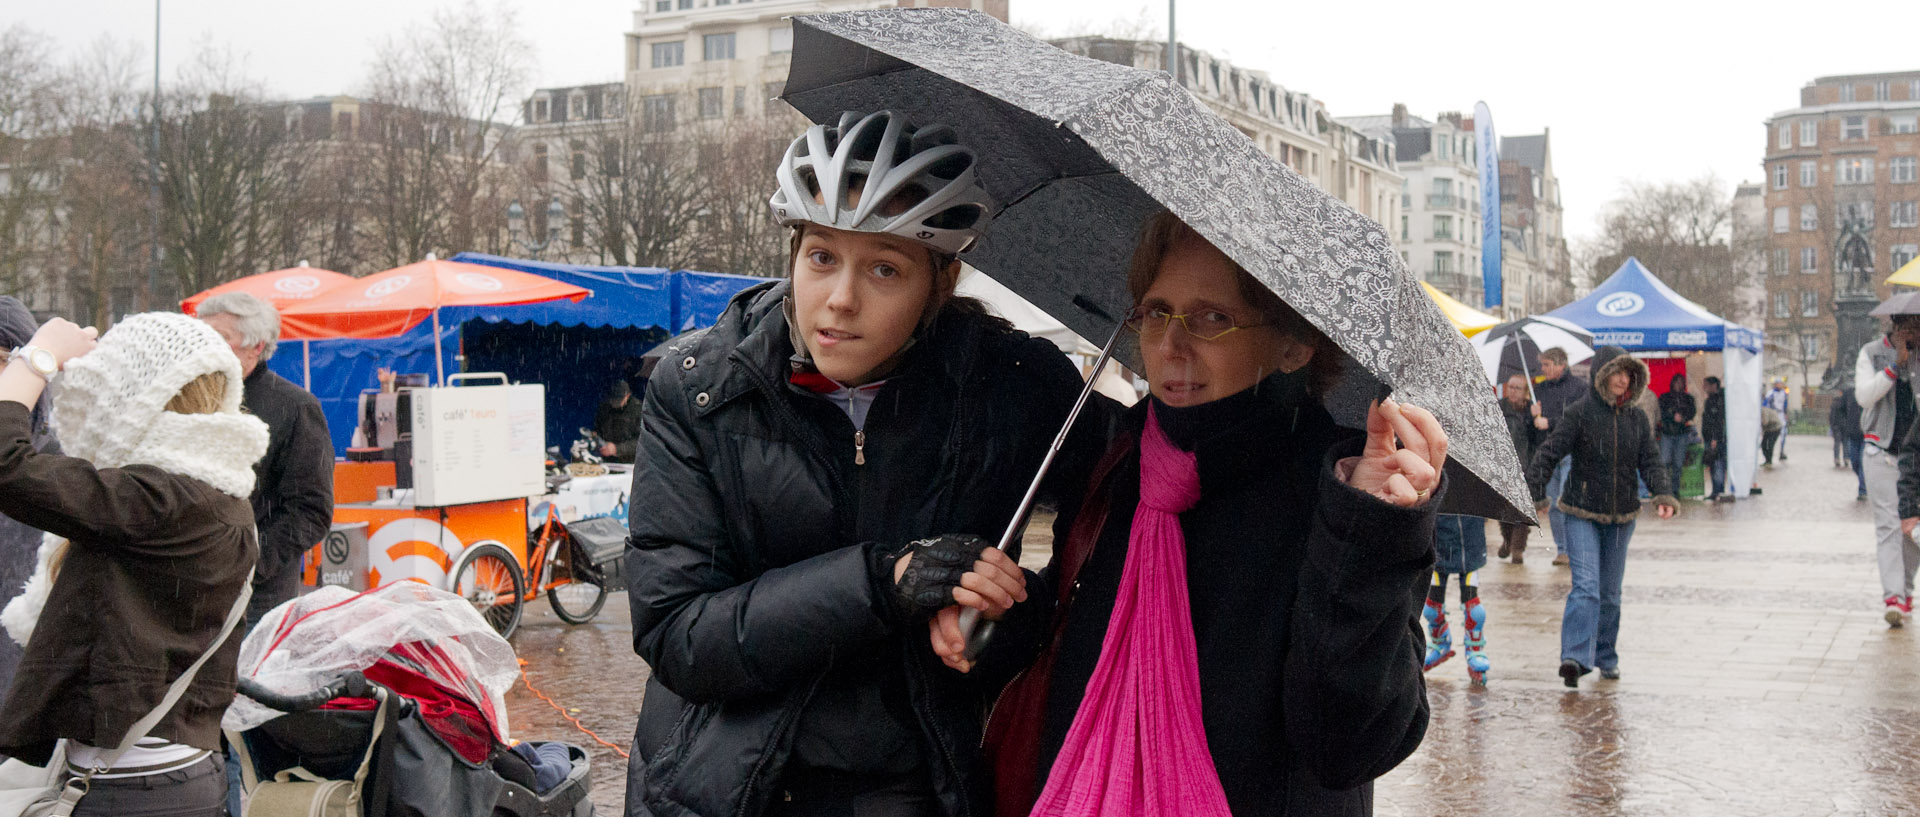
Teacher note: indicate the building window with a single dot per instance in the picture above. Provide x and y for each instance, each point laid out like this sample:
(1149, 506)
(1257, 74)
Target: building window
(1809, 218)
(1901, 169)
(1780, 305)
(1809, 260)
(1880, 90)
(538, 166)
(686, 4)
(1785, 139)
(1903, 214)
(1913, 89)
(1853, 128)
(1779, 219)
(1809, 132)
(1443, 262)
(739, 100)
(1442, 228)
(1846, 92)
(577, 105)
(710, 101)
(668, 55)
(657, 112)
(780, 38)
(1779, 261)
(1903, 124)
(1810, 346)
(1856, 171)
(1809, 303)
(1780, 176)
(717, 47)
(1403, 227)
(771, 92)
(577, 162)
(1903, 254)
(1809, 174)
(539, 110)
(662, 5)
(613, 105)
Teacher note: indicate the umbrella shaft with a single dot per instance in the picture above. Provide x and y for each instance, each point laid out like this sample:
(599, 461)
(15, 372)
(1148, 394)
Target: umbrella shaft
(976, 631)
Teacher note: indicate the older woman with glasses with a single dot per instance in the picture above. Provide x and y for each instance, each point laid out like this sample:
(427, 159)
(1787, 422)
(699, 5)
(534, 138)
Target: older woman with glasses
(1236, 626)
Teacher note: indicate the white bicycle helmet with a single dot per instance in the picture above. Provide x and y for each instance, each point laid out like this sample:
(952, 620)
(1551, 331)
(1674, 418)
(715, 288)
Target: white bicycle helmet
(916, 183)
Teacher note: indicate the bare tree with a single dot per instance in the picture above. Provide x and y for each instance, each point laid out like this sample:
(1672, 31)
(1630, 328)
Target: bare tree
(226, 180)
(102, 240)
(736, 163)
(30, 90)
(1680, 232)
(443, 98)
(640, 197)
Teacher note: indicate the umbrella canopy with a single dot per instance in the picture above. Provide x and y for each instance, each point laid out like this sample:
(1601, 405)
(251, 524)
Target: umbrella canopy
(282, 288)
(1908, 275)
(1902, 303)
(389, 303)
(1512, 346)
(1083, 152)
(1465, 318)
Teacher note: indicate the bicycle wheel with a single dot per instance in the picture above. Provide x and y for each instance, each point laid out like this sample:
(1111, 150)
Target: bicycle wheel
(489, 578)
(576, 595)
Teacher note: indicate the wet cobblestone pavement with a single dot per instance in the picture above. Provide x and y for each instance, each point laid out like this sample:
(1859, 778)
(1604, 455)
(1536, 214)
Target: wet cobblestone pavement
(1757, 676)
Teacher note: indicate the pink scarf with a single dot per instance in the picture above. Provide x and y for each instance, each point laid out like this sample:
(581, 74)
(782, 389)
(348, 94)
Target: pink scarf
(1137, 747)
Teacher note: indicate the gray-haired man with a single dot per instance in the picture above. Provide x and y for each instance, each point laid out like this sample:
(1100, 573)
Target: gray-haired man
(293, 483)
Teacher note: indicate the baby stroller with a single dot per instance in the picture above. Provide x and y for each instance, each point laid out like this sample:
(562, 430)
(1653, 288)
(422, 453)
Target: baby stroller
(418, 731)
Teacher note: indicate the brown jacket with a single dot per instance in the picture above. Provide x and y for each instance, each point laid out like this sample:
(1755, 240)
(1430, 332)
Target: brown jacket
(156, 562)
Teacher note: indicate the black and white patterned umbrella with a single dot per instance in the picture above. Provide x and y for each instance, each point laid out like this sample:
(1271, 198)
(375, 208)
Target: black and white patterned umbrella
(1080, 152)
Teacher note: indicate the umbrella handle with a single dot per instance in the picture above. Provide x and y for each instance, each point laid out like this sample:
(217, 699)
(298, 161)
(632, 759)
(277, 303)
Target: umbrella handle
(976, 632)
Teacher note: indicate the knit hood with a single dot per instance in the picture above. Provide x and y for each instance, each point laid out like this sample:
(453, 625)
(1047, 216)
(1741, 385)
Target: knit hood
(111, 405)
(111, 411)
(1610, 359)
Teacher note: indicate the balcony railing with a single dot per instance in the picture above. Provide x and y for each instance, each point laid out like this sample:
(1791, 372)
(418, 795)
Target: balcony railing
(1447, 200)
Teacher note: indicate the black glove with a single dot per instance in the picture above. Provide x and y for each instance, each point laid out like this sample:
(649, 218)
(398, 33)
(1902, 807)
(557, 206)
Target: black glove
(933, 571)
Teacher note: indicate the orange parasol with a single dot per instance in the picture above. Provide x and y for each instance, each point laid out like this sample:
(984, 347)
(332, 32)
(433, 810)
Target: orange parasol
(389, 303)
(282, 288)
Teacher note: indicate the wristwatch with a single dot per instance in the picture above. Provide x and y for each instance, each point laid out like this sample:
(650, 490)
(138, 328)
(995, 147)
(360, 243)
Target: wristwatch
(41, 361)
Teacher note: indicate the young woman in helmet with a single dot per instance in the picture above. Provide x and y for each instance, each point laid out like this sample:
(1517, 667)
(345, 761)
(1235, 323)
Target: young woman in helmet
(818, 477)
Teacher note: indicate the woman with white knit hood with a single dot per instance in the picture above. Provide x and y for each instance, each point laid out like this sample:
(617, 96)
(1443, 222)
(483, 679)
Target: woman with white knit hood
(150, 544)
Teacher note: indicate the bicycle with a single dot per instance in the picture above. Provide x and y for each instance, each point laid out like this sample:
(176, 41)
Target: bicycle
(490, 577)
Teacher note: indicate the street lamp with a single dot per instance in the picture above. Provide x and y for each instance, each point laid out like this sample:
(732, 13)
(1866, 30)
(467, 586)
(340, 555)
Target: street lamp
(517, 226)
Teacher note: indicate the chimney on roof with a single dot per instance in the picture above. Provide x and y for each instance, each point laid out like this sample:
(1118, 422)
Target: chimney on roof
(1399, 115)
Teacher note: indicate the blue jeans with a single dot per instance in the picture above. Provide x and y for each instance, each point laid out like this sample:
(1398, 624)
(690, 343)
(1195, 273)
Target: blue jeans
(1673, 455)
(1555, 487)
(1718, 470)
(1855, 448)
(1590, 626)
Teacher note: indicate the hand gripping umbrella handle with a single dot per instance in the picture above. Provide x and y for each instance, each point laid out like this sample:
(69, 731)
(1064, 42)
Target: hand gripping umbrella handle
(978, 632)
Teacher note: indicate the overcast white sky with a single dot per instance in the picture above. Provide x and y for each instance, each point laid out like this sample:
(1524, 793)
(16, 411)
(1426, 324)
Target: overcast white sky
(1634, 89)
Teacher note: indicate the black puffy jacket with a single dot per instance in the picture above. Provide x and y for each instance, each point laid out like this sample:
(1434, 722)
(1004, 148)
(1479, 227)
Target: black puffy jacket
(1610, 442)
(754, 584)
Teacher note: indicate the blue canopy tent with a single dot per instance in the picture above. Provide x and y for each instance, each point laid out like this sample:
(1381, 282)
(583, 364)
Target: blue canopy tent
(575, 349)
(1638, 312)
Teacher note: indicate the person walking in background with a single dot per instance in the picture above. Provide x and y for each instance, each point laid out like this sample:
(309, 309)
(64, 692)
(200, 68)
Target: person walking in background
(19, 540)
(1843, 420)
(1773, 422)
(1610, 443)
(1558, 390)
(1528, 428)
(1883, 383)
(1677, 410)
(1713, 440)
(293, 484)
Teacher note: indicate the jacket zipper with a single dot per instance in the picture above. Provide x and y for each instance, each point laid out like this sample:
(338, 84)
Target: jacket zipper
(859, 447)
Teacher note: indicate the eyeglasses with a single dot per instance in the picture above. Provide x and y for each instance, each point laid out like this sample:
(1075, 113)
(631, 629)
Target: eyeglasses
(1206, 324)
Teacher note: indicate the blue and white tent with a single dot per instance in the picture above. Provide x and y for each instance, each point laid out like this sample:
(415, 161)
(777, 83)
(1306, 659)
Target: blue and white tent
(1638, 312)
